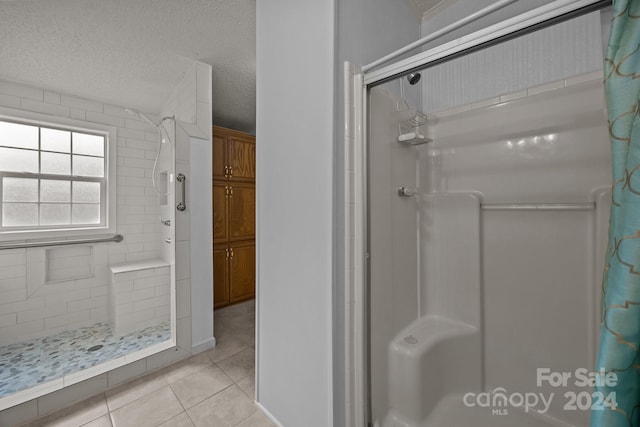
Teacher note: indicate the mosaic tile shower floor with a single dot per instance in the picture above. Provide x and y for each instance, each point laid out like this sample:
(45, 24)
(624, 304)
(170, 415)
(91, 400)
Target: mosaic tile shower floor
(27, 364)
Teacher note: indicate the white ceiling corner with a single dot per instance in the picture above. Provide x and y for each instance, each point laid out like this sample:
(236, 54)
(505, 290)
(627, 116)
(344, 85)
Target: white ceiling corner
(133, 53)
(422, 7)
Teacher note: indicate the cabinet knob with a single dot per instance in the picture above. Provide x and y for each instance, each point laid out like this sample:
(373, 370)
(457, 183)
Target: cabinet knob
(230, 171)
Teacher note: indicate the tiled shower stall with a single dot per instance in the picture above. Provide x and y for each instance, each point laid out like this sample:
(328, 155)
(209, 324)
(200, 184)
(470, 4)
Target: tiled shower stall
(78, 319)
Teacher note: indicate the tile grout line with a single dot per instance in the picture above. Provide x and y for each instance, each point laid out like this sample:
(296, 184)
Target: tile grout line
(245, 344)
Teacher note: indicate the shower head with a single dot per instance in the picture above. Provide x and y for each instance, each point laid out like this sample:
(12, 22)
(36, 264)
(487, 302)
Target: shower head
(413, 78)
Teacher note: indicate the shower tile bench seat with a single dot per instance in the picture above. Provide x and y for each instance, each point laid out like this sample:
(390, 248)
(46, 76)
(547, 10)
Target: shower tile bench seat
(139, 295)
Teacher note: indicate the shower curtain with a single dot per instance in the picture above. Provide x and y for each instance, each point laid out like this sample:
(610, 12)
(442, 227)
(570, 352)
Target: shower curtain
(619, 351)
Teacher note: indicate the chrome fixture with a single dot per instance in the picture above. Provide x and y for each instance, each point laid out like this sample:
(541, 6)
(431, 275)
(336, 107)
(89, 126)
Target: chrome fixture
(413, 78)
(588, 206)
(182, 179)
(406, 192)
(166, 222)
(168, 240)
(144, 117)
(38, 244)
(164, 137)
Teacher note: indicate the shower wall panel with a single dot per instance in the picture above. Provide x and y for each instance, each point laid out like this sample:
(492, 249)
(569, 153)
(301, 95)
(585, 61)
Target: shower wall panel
(541, 269)
(30, 306)
(543, 148)
(495, 263)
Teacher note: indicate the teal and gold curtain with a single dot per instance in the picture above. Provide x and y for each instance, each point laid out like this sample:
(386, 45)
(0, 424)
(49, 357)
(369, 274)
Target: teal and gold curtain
(620, 328)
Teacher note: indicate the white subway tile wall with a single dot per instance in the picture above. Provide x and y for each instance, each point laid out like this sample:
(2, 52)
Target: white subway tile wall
(133, 199)
(30, 307)
(138, 299)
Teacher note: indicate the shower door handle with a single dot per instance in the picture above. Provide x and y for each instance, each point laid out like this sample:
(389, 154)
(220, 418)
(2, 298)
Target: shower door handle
(182, 179)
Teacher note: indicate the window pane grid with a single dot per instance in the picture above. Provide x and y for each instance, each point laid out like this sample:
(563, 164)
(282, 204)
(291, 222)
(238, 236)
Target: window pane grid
(73, 157)
(18, 211)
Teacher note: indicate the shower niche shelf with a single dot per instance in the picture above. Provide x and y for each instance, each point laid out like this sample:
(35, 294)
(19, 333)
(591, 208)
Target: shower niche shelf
(410, 130)
(411, 121)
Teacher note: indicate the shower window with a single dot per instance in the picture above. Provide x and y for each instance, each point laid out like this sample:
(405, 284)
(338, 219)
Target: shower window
(54, 179)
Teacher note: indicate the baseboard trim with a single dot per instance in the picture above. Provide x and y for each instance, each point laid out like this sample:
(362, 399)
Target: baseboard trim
(203, 345)
(268, 414)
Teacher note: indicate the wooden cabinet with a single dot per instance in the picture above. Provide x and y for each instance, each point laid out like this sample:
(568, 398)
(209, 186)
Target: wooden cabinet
(220, 213)
(234, 155)
(234, 199)
(234, 273)
(221, 277)
(219, 161)
(241, 158)
(242, 261)
(242, 211)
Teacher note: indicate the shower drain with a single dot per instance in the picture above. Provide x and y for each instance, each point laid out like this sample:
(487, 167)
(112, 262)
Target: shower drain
(95, 347)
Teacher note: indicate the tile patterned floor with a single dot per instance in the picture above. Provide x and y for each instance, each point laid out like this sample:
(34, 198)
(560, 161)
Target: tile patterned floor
(211, 389)
(26, 364)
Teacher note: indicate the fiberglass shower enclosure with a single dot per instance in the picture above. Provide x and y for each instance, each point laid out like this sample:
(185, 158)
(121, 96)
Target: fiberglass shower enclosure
(487, 230)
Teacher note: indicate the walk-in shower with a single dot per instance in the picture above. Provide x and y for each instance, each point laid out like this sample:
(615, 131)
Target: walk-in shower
(486, 194)
(81, 305)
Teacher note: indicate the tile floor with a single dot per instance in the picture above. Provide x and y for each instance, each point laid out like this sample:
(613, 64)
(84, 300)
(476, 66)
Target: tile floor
(211, 389)
(37, 361)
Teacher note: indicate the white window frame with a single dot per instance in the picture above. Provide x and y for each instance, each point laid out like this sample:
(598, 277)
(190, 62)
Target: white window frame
(108, 191)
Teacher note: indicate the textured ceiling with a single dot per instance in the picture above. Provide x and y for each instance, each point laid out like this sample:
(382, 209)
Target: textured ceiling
(133, 53)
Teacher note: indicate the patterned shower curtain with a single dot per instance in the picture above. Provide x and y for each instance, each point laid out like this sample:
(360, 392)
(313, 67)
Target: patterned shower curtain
(620, 323)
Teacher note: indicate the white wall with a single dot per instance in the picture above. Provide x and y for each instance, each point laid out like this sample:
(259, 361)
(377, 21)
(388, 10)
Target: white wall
(201, 244)
(138, 221)
(294, 156)
(190, 103)
(31, 308)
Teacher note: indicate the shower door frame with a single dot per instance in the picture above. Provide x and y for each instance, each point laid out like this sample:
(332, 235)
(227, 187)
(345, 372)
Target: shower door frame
(357, 85)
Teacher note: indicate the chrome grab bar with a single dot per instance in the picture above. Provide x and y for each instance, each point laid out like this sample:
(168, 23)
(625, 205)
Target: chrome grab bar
(539, 206)
(183, 204)
(37, 244)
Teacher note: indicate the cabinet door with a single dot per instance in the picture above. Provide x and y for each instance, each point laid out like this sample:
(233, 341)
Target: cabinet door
(219, 160)
(243, 271)
(220, 213)
(220, 277)
(242, 211)
(242, 158)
